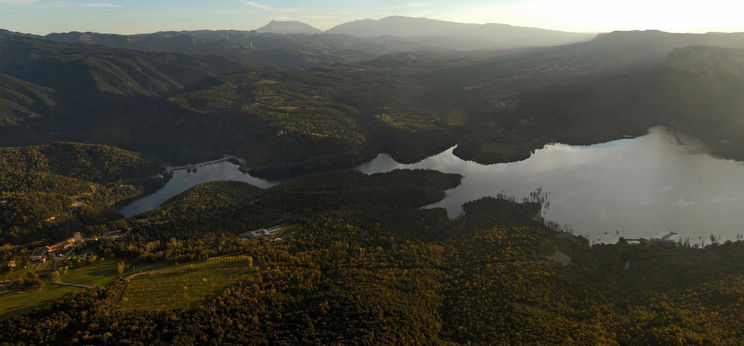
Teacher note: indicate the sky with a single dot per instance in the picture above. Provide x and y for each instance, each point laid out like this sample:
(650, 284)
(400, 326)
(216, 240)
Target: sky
(142, 16)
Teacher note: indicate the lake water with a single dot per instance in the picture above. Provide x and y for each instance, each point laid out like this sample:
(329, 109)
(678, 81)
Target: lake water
(641, 187)
(182, 181)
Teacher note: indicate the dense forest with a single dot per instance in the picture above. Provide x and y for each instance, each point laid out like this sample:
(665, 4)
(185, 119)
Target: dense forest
(47, 191)
(345, 274)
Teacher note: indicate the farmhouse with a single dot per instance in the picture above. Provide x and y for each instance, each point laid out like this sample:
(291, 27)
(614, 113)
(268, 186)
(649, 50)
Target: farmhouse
(40, 253)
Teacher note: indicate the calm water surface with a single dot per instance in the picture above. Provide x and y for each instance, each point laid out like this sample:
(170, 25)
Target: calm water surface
(182, 181)
(640, 187)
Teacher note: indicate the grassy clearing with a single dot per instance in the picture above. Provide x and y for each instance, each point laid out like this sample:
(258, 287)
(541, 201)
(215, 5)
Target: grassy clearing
(185, 286)
(21, 303)
(99, 274)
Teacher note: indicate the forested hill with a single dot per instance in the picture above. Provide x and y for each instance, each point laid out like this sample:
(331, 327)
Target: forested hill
(710, 87)
(21, 100)
(50, 190)
(61, 91)
(97, 163)
(88, 71)
(270, 50)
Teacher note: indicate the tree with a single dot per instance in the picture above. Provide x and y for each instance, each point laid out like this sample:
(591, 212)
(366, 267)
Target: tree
(31, 279)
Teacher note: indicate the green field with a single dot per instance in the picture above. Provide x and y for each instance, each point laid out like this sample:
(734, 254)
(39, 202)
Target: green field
(184, 286)
(99, 275)
(20, 303)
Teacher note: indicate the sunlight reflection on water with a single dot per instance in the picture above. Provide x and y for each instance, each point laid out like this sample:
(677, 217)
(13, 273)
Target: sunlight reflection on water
(640, 187)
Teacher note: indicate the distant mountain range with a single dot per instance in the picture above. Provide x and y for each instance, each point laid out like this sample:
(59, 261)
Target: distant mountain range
(438, 33)
(469, 35)
(296, 45)
(285, 51)
(354, 41)
(288, 27)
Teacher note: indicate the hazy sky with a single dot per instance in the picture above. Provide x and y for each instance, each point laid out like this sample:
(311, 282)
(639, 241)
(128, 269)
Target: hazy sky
(137, 16)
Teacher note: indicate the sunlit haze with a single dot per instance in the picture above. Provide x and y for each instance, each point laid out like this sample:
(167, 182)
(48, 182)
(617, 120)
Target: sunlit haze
(137, 16)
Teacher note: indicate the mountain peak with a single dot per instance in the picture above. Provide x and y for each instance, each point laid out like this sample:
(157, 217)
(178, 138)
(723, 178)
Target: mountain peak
(288, 27)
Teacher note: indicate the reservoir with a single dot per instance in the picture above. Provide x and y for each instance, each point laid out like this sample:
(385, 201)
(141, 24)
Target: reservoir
(183, 180)
(634, 188)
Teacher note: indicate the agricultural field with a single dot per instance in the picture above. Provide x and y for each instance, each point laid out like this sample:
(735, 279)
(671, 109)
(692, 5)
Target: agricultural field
(185, 286)
(98, 275)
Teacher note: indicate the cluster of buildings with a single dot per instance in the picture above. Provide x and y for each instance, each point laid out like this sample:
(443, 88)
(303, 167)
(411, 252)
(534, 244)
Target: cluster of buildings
(44, 253)
(665, 240)
(263, 232)
(40, 253)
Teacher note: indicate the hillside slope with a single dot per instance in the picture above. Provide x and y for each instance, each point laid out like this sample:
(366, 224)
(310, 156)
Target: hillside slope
(21, 100)
(49, 190)
(83, 71)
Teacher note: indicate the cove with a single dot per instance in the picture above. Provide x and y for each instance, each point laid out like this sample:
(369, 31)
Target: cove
(183, 180)
(634, 188)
